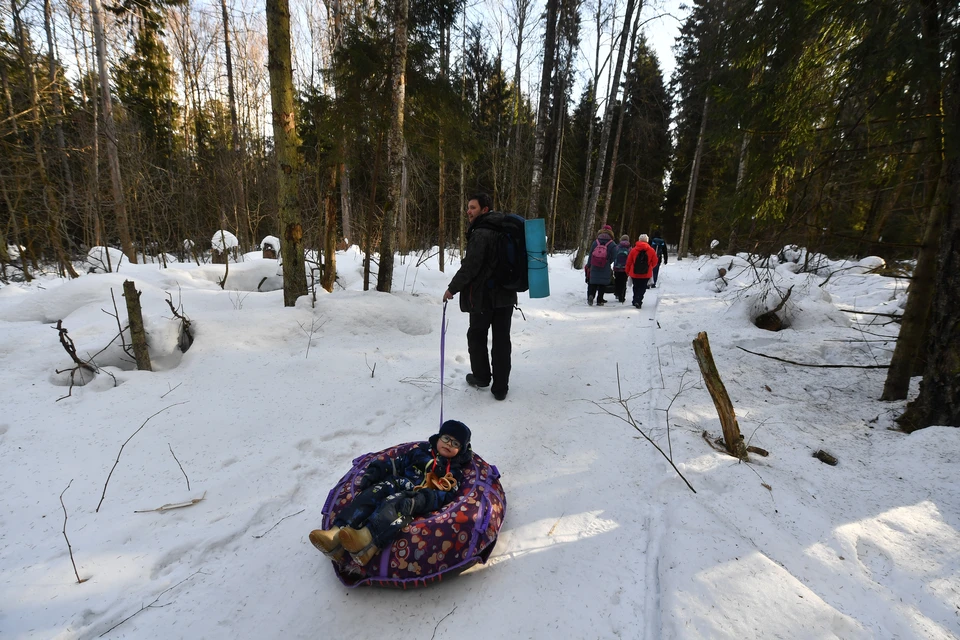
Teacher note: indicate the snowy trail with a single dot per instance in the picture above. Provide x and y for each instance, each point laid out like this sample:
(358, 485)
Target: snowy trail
(572, 477)
(601, 538)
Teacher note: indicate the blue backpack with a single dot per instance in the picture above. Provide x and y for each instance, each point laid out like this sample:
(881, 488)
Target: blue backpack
(620, 262)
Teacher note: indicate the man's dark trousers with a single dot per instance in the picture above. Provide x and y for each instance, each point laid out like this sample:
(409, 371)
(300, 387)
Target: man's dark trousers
(480, 323)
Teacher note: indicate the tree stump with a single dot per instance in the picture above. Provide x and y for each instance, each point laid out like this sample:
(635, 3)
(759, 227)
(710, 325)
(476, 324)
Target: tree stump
(732, 439)
(138, 334)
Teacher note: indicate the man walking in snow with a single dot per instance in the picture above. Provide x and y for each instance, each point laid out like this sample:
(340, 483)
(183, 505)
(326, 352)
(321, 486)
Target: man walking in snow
(489, 305)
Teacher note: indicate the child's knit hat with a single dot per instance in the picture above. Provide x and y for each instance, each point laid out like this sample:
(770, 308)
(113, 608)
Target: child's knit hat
(458, 430)
(644, 237)
(624, 238)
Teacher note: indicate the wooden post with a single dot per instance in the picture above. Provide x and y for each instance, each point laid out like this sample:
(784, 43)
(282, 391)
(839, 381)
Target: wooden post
(728, 419)
(137, 333)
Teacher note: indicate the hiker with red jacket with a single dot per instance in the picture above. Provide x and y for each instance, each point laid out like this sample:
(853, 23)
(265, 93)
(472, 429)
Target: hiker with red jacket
(599, 265)
(640, 264)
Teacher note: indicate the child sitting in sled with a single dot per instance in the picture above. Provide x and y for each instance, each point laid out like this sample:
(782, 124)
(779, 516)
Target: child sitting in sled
(395, 491)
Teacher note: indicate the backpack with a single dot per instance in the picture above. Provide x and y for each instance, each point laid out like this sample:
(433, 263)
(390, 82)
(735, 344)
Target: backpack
(642, 262)
(511, 269)
(598, 257)
(620, 262)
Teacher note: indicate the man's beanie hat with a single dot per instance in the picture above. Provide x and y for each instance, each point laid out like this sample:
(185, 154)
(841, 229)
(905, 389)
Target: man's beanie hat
(644, 237)
(458, 430)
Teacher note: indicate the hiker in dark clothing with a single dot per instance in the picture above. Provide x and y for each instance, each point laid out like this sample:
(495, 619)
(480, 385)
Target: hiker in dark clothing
(393, 492)
(660, 246)
(489, 305)
(620, 268)
(603, 251)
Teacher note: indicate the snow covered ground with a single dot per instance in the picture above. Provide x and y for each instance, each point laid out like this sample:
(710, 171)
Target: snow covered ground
(602, 538)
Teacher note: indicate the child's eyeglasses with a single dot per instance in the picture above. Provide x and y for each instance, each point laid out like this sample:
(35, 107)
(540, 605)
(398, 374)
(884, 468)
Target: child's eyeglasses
(450, 440)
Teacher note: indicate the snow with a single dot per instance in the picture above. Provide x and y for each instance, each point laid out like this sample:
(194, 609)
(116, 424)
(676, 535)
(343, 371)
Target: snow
(223, 240)
(602, 538)
(270, 241)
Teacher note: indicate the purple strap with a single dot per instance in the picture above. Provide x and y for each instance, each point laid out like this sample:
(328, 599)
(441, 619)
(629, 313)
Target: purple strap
(443, 342)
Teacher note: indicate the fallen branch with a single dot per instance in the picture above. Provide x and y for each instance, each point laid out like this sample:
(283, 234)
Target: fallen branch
(69, 547)
(180, 465)
(104, 495)
(152, 604)
(818, 366)
(71, 350)
(185, 336)
(278, 522)
(175, 505)
(872, 313)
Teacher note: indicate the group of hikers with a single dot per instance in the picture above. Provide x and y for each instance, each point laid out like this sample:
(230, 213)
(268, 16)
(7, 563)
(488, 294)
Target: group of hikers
(610, 263)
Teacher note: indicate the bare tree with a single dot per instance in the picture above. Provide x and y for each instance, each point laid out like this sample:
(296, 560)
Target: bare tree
(549, 46)
(605, 137)
(110, 131)
(287, 143)
(395, 145)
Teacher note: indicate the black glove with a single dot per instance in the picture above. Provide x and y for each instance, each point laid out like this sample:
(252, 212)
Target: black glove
(366, 481)
(413, 504)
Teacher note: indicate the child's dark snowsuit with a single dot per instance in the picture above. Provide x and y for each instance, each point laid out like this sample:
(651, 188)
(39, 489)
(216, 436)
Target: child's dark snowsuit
(390, 482)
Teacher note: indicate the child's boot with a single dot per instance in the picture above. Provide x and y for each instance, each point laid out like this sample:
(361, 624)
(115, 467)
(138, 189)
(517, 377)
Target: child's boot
(355, 540)
(327, 541)
(366, 554)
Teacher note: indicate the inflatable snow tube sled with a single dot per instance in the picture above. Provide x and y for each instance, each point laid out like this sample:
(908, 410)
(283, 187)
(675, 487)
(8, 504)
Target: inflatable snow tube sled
(440, 544)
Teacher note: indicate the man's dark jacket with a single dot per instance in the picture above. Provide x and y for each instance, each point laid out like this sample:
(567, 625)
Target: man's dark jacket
(474, 280)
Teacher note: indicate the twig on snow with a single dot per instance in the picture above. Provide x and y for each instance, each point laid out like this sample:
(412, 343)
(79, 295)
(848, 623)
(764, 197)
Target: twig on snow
(441, 620)
(152, 605)
(278, 522)
(69, 546)
(174, 505)
(179, 465)
(630, 420)
(119, 453)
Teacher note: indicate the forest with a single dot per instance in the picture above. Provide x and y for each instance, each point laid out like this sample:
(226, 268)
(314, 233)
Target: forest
(149, 125)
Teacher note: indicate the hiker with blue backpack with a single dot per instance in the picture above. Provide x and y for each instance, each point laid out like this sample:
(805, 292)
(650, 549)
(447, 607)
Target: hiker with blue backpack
(600, 265)
(660, 246)
(488, 302)
(640, 264)
(620, 268)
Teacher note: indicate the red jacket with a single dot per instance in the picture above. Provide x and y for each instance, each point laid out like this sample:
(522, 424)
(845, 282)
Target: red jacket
(651, 260)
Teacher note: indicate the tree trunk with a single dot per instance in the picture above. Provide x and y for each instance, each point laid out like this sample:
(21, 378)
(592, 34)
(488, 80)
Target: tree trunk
(441, 208)
(605, 134)
(522, 9)
(684, 244)
(939, 400)
(394, 146)
(549, 46)
(57, 105)
(620, 119)
(582, 228)
(909, 353)
(110, 133)
(240, 202)
(50, 199)
(286, 143)
(138, 334)
(330, 232)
